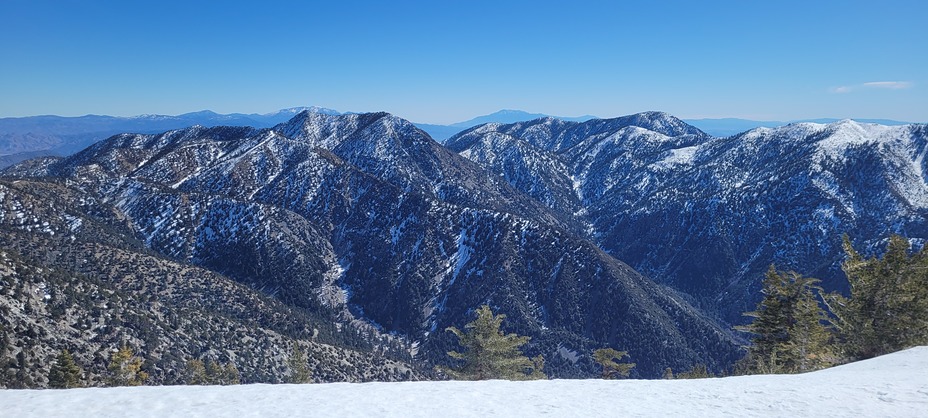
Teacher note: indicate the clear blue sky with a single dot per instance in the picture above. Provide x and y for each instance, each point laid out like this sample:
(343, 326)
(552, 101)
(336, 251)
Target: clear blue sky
(447, 61)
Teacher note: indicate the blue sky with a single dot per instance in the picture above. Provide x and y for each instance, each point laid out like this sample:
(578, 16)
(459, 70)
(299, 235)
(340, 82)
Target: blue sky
(447, 61)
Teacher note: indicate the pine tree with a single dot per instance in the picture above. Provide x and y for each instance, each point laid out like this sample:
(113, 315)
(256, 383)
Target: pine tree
(214, 372)
(606, 358)
(490, 354)
(888, 306)
(230, 375)
(698, 371)
(65, 373)
(195, 373)
(809, 339)
(788, 327)
(5, 342)
(126, 369)
(538, 367)
(299, 369)
(211, 373)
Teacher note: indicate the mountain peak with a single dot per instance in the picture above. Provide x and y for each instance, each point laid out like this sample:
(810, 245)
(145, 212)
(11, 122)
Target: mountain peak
(197, 114)
(508, 116)
(300, 109)
(657, 121)
(656, 114)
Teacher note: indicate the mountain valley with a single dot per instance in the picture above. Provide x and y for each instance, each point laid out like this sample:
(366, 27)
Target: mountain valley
(364, 218)
(708, 215)
(360, 237)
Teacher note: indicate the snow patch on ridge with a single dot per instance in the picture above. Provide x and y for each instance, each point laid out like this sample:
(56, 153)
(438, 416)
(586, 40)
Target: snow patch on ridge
(679, 156)
(462, 256)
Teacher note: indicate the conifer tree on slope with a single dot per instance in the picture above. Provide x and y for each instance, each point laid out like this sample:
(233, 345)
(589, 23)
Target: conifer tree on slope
(698, 371)
(606, 358)
(888, 306)
(65, 373)
(195, 374)
(230, 375)
(126, 369)
(788, 327)
(299, 368)
(491, 354)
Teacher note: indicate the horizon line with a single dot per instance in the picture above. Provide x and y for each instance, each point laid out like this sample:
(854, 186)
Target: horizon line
(588, 115)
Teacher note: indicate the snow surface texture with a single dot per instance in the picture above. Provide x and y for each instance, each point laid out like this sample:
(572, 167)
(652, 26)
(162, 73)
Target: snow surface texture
(895, 385)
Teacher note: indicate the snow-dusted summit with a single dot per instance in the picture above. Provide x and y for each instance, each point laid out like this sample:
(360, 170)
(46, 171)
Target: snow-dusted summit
(709, 215)
(363, 216)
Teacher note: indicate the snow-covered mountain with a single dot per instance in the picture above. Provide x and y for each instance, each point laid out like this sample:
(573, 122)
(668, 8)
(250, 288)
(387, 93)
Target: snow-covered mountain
(708, 215)
(442, 132)
(364, 216)
(734, 126)
(894, 385)
(28, 137)
(74, 275)
(512, 116)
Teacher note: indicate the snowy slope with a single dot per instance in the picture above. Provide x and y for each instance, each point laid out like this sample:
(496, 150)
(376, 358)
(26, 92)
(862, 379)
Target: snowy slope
(895, 385)
(666, 198)
(366, 216)
(29, 137)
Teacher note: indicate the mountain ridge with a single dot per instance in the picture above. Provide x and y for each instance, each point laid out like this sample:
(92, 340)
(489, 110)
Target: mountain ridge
(76, 276)
(50, 135)
(664, 203)
(367, 215)
(731, 126)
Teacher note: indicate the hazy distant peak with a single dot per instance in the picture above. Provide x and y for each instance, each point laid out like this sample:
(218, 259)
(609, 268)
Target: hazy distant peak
(300, 109)
(200, 113)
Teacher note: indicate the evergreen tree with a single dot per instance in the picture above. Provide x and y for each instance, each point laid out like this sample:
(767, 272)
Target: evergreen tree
(5, 343)
(126, 369)
(788, 327)
(491, 354)
(809, 338)
(214, 373)
(606, 358)
(230, 375)
(195, 373)
(538, 367)
(698, 371)
(211, 373)
(299, 368)
(888, 306)
(65, 373)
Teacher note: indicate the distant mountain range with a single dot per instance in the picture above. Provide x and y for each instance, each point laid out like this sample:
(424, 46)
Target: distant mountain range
(715, 127)
(29, 137)
(36, 136)
(732, 126)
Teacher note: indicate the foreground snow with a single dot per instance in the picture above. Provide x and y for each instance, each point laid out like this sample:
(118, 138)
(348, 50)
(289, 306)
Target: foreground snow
(891, 386)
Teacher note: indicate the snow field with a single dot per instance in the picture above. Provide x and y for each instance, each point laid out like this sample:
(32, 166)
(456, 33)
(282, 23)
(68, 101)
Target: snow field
(890, 386)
